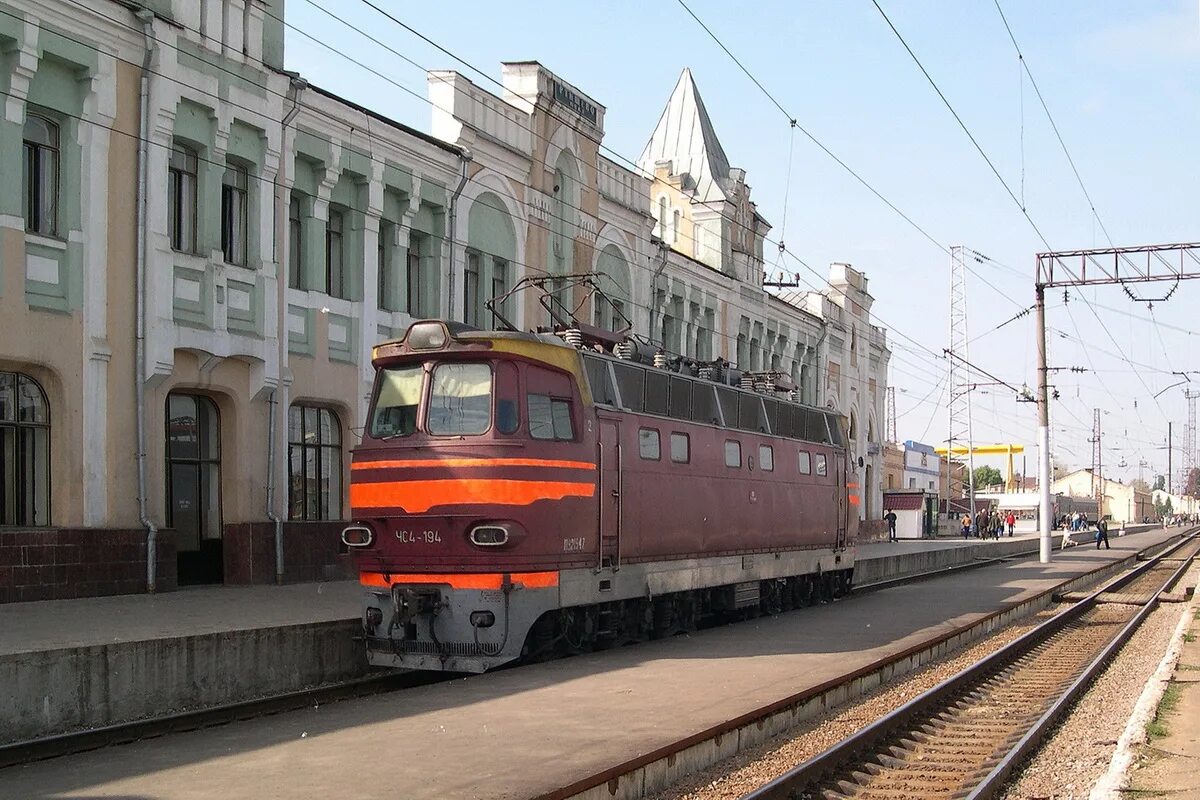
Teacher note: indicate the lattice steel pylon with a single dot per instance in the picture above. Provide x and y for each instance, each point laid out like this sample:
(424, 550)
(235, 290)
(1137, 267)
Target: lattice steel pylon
(891, 414)
(958, 379)
(1189, 440)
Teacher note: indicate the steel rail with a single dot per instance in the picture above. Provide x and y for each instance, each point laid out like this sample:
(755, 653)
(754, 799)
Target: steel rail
(841, 758)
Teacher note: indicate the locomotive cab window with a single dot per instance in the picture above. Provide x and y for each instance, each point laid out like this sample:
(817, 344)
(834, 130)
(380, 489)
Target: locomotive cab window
(550, 417)
(766, 458)
(397, 397)
(649, 446)
(733, 453)
(805, 462)
(822, 467)
(460, 399)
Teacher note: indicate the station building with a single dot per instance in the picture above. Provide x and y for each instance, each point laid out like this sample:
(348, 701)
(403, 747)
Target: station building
(205, 247)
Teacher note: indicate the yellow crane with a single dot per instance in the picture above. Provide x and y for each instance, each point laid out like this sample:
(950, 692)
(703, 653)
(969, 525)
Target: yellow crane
(1010, 482)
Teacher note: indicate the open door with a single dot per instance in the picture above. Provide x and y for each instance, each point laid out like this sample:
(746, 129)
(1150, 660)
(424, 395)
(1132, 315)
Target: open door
(842, 491)
(610, 494)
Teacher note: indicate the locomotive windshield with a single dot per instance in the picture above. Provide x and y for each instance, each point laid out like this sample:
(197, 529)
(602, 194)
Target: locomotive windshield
(399, 396)
(460, 400)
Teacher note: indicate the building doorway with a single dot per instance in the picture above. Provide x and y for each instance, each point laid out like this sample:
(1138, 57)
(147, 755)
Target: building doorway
(194, 486)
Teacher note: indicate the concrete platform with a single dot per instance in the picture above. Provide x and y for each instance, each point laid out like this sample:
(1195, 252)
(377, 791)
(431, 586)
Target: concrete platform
(530, 730)
(67, 664)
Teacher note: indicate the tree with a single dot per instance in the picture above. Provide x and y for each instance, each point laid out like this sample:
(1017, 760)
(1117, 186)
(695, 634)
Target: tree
(1160, 482)
(1163, 508)
(1193, 483)
(988, 476)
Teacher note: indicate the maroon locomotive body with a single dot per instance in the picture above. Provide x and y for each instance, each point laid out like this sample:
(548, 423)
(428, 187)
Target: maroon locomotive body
(515, 496)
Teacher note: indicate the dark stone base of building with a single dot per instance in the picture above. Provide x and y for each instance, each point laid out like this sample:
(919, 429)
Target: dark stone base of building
(60, 563)
(57, 563)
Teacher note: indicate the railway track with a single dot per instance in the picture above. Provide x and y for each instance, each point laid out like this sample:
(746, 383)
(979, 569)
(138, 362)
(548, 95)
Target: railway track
(965, 737)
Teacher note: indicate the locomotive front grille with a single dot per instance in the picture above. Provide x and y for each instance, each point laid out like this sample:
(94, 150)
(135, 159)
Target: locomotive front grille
(422, 648)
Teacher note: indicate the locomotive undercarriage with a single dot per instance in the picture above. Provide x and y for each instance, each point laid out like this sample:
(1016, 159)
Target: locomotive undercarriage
(581, 629)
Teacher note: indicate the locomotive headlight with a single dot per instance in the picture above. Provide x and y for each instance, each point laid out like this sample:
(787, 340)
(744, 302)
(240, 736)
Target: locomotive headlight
(489, 535)
(482, 619)
(357, 536)
(429, 335)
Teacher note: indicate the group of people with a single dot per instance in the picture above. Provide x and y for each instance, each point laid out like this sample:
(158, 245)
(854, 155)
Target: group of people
(1075, 522)
(988, 524)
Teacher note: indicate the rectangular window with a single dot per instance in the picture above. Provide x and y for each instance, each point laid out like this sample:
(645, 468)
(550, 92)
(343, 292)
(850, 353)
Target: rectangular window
(805, 461)
(499, 287)
(649, 446)
(750, 413)
(471, 291)
(397, 398)
(382, 268)
(315, 463)
(656, 392)
(235, 194)
(599, 381)
(766, 458)
(412, 275)
(733, 453)
(704, 404)
(549, 417)
(181, 199)
(775, 411)
(835, 429)
(460, 400)
(681, 398)
(40, 186)
(728, 399)
(680, 448)
(630, 380)
(295, 242)
(822, 467)
(912, 483)
(335, 277)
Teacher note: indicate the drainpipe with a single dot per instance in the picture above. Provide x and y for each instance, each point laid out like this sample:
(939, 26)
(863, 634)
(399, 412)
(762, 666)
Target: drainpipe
(295, 87)
(147, 20)
(464, 158)
(666, 255)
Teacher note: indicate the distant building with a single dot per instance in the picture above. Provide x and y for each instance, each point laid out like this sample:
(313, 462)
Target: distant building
(1122, 502)
(922, 466)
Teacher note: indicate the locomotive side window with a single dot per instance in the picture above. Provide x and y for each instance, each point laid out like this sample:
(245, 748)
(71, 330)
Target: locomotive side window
(822, 467)
(775, 410)
(629, 381)
(835, 430)
(508, 402)
(656, 392)
(549, 418)
(766, 458)
(704, 403)
(728, 399)
(397, 397)
(750, 414)
(681, 398)
(681, 447)
(600, 380)
(816, 430)
(649, 446)
(805, 462)
(460, 400)
(733, 453)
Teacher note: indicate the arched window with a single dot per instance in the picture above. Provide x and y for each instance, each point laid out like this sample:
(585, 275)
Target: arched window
(40, 187)
(662, 218)
(24, 451)
(675, 226)
(314, 463)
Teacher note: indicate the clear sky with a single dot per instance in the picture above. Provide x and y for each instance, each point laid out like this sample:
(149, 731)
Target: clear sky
(1120, 79)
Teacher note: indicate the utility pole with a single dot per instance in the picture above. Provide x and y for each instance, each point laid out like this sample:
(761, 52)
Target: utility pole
(1045, 523)
(1189, 440)
(1170, 474)
(959, 374)
(1097, 456)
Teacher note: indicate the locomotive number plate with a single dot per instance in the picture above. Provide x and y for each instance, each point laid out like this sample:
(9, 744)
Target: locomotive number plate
(574, 545)
(418, 537)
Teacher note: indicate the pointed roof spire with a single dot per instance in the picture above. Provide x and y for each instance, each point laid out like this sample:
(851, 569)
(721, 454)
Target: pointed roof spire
(685, 137)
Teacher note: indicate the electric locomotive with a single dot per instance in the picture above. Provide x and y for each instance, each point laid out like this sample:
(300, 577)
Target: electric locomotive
(522, 495)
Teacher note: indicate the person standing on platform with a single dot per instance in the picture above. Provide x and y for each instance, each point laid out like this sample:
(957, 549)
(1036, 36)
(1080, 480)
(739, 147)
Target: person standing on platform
(1011, 523)
(1102, 533)
(890, 516)
(966, 525)
(981, 523)
(997, 523)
